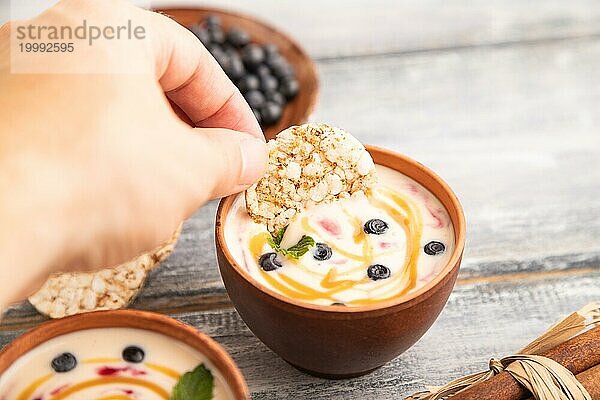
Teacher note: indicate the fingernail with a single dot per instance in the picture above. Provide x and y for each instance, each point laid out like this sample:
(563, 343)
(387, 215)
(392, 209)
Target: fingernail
(254, 160)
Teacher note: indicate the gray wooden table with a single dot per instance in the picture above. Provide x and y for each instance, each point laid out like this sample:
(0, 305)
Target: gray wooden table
(502, 99)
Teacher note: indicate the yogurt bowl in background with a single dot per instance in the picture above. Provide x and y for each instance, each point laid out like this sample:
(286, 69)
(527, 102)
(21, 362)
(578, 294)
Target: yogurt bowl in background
(342, 342)
(122, 354)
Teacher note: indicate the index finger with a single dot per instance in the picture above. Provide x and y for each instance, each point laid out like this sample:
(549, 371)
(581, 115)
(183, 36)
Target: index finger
(192, 79)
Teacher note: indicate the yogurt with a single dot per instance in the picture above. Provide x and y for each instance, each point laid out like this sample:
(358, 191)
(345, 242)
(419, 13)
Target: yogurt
(101, 372)
(369, 248)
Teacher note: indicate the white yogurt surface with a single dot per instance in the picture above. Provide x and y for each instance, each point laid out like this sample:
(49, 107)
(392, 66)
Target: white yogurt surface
(101, 373)
(414, 216)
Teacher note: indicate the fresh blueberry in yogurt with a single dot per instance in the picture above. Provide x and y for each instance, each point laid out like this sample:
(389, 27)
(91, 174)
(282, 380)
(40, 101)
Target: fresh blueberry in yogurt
(434, 248)
(64, 363)
(133, 354)
(322, 252)
(269, 262)
(375, 226)
(377, 271)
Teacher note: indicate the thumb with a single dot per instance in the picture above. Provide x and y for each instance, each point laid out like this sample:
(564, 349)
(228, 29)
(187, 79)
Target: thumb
(227, 161)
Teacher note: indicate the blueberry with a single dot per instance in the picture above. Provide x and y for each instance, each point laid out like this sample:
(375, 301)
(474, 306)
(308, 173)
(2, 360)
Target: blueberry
(223, 59)
(235, 68)
(238, 37)
(322, 252)
(377, 271)
(255, 99)
(271, 113)
(257, 115)
(201, 34)
(272, 59)
(64, 363)
(271, 49)
(269, 262)
(133, 354)
(253, 55)
(230, 50)
(338, 304)
(280, 67)
(263, 70)
(212, 20)
(248, 83)
(375, 227)
(289, 88)
(275, 97)
(214, 49)
(268, 83)
(216, 35)
(434, 248)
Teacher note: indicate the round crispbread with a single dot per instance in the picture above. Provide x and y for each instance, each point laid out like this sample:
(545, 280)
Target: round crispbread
(308, 164)
(72, 293)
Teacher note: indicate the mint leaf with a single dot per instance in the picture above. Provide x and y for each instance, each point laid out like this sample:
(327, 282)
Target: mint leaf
(279, 235)
(275, 241)
(297, 250)
(194, 385)
(300, 248)
(273, 244)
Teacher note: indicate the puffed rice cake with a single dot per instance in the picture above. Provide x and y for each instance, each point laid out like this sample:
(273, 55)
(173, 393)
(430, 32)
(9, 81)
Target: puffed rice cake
(308, 164)
(71, 293)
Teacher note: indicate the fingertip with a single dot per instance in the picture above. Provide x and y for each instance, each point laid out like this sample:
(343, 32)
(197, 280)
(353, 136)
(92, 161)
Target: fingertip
(254, 160)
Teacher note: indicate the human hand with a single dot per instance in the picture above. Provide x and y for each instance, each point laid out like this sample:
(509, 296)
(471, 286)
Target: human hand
(97, 168)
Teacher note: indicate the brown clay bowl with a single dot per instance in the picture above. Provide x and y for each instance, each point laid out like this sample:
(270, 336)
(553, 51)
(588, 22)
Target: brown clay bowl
(130, 319)
(352, 341)
(298, 110)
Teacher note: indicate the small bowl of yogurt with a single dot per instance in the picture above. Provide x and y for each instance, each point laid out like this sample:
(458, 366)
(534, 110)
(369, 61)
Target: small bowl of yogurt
(117, 355)
(379, 270)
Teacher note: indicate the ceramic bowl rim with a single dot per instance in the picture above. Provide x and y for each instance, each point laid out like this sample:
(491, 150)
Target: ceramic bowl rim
(110, 319)
(413, 297)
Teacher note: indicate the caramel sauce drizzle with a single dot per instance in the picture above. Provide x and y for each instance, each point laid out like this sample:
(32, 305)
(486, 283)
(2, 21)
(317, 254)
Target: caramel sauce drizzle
(257, 243)
(28, 392)
(101, 360)
(162, 393)
(407, 216)
(412, 225)
(164, 370)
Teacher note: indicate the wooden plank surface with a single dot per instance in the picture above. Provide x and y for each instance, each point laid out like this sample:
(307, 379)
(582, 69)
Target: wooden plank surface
(490, 318)
(513, 130)
(501, 99)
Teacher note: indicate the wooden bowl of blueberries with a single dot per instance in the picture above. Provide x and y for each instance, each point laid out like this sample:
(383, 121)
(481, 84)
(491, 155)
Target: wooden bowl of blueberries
(276, 76)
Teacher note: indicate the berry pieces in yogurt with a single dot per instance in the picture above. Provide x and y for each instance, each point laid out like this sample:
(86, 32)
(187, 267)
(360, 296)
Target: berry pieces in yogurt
(112, 363)
(374, 245)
